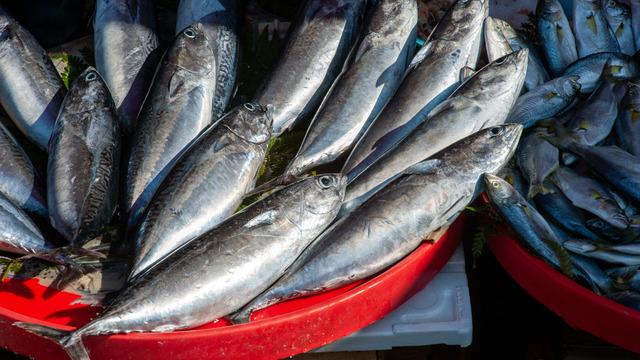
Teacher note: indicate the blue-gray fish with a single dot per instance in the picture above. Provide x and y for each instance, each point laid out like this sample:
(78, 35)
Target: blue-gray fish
(511, 174)
(179, 106)
(628, 122)
(18, 234)
(627, 275)
(590, 195)
(592, 274)
(218, 272)
(84, 159)
(501, 39)
(627, 298)
(318, 45)
(484, 100)
(20, 181)
(589, 69)
(433, 75)
(627, 255)
(126, 53)
(31, 90)
(205, 186)
(545, 101)
(635, 18)
(360, 94)
(590, 27)
(220, 20)
(537, 159)
(556, 36)
(619, 18)
(378, 234)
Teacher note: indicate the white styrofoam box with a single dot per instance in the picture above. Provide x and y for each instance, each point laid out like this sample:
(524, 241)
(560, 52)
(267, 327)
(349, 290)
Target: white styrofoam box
(438, 314)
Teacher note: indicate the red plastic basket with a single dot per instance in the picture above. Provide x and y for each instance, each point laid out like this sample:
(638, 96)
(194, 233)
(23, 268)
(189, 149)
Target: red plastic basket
(578, 306)
(279, 331)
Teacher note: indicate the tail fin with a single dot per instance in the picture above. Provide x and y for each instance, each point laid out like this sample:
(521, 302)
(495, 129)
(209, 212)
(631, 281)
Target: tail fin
(70, 341)
(536, 189)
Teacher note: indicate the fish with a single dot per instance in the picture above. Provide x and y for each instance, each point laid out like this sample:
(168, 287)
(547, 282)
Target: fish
(20, 181)
(635, 19)
(618, 16)
(590, 68)
(590, 195)
(84, 160)
(628, 122)
(556, 36)
(360, 94)
(178, 108)
(482, 101)
(126, 52)
(206, 185)
(498, 33)
(18, 234)
(605, 230)
(537, 159)
(592, 274)
(591, 30)
(210, 277)
(511, 174)
(545, 101)
(616, 166)
(378, 234)
(627, 255)
(317, 47)
(31, 90)
(220, 19)
(559, 209)
(628, 275)
(627, 298)
(433, 74)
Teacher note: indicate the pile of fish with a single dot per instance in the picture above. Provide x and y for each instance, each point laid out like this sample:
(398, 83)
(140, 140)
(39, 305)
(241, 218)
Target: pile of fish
(158, 148)
(573, 191)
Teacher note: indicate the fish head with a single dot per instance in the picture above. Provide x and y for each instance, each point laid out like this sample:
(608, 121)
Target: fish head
(190, 46)
(493, 147)
(252, 122)
(631, 100)
(88, 91)
(616, 10)
(550, 9)
(506, 75)
(498, 189)
(567, 86)
(325, 193)
(621, 66)
(462, 20)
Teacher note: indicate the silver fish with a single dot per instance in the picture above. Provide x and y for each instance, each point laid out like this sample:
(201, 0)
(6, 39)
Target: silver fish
(498, 33)
(615, 254)
(619, 18)
(18, 234)
(20, 181)
(537, 159)
(317, 47)
(220, 19)
(178, 107)
(590, 69)
(628, 123)
(125, 47)
(590, 27)
(205, 186)
(379, 233)
(545, 101)
(433, 75)
(210, 276)
(361, 93)
(482, 101)
(84, 158)
(590, 195)
(556, 36)
(31, 90)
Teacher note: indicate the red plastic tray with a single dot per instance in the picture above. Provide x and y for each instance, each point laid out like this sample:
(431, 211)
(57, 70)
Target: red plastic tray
(279, 331)
(578, 306)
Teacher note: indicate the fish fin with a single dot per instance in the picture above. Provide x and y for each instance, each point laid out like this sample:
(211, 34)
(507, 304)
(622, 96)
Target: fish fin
(71, 342)
(536, 189)
(175, 84)
(266, 218)
(419, 57)
(564, 259)
(423, 167)
(465, 73)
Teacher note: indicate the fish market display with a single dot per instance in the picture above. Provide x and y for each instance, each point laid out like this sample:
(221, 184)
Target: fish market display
(364, 89)
(210, 276)
(482, 101)
(20, 181)
(207, 184)
(84, 159)
(316, 50)
(178, 107)
(31, 89)
(220, 21)
(126, 46)
(592, 32)
(433, 75)
(379, 233)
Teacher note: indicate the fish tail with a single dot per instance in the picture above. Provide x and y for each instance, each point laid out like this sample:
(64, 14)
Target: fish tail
(536, 189)
(71, 342)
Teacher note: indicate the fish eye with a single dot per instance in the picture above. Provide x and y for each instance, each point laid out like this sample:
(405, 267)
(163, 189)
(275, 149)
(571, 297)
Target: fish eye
(325, 181)
(190, 32)
(250, 106)
(495, 131)
(91, 76)
(495, 184)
